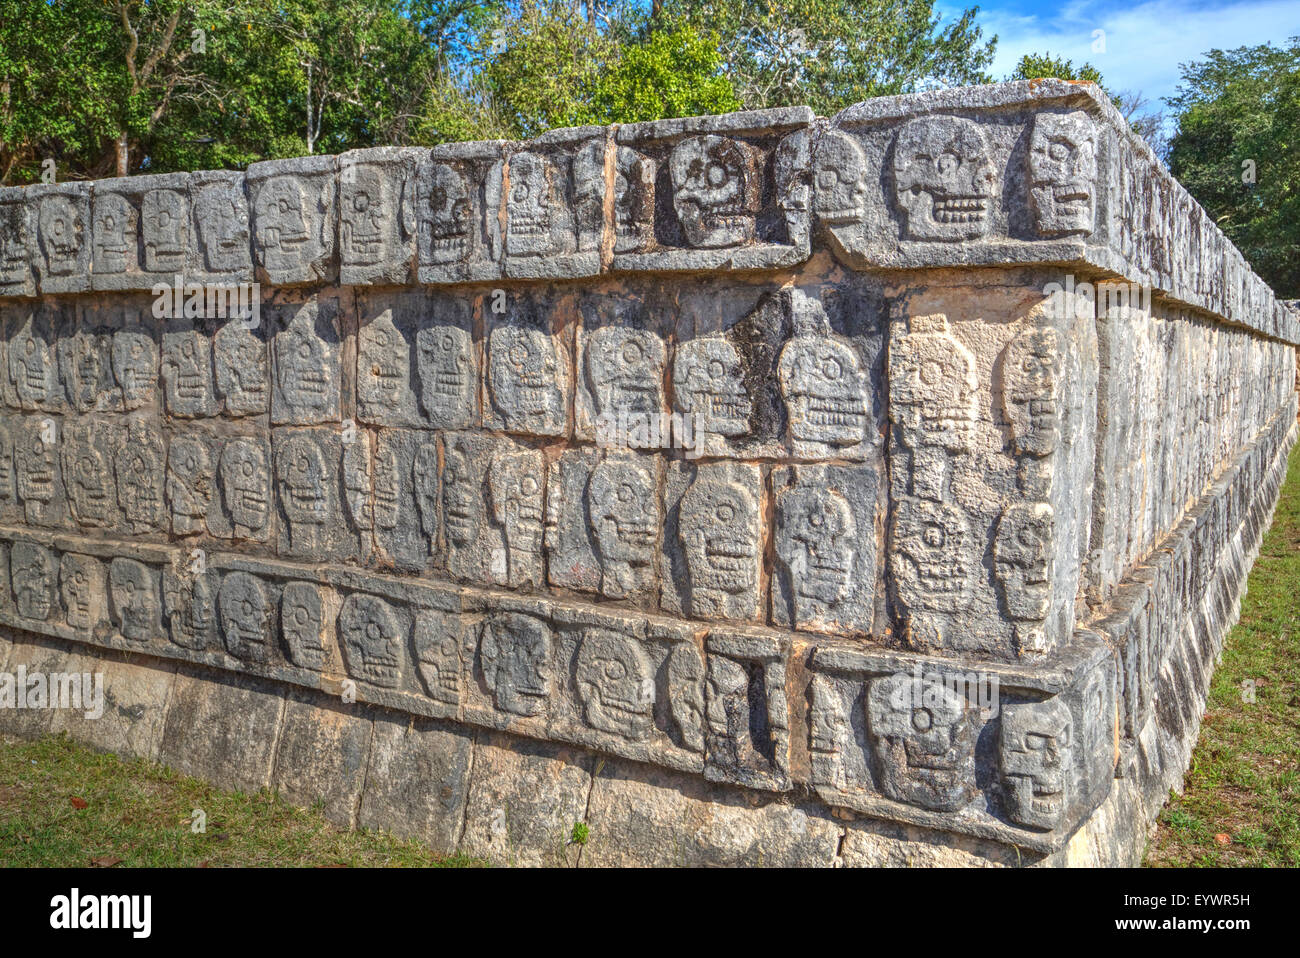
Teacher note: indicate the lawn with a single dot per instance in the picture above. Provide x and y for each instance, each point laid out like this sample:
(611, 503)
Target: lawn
(62, 804)
(1241, 801)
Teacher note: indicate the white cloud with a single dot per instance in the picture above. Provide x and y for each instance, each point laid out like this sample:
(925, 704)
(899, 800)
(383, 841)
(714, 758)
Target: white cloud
(1144, 43)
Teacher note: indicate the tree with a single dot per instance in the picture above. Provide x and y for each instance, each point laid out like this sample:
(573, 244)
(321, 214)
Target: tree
(829, 54)
(1234, 149)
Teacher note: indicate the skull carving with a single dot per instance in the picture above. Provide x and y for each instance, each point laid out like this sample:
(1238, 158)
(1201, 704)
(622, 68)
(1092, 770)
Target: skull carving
(86, 367)
(1063, 173)
(944, 179)
(33, 579)
(840, 175)
(515, 655)
(708, 382)
(305, 370)
(301, 480)
(388, 488)
(222, 221)
(7, 490)
(715, 190)
(302, 621)
(424, 477)
(625, 369)
(15, 251)
(719, 531)
(87, 475)
(437, 653)
(1031, 390)
(114, 234)
(523, 373)
(166, 230)
(383, 366)
(528, 212)
(1022, 564)
(187, 371)
(36, 468)
(133, 591)
(81, 586)
(461, 497)
(189, 484)
(245, 617)
(623, 507)
(932, 555)
(923, 742)
(445, 217)
(686, 694)
(62, 233)
(135, 366)
(245, 486)
(445, 360)
(31, 365)
(190, 609)
(138, 465)
(241, 373)
(372, 640)
(515, 492)
(366, 211)
(1035, 746)
(284, 240)
(825, 392)
(615, 684)
(816, 535)
(791, 171)
(828, 732)
(634, 200)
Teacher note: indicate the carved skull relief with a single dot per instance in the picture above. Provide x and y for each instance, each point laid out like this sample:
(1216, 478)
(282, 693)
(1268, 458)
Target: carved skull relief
(445, 361)
(135, 366)
(1035, 746)
(139, 466)
(372, 638)
(133, 589)
(615, 684)
(825, 391)
(36, 468)
(515, 493)
(302, 479)
(933, 555)
(302, 622)
(62, 234)
(708, 382)
(461, 498)
(515, 655)
(81, 586)
(634, 200)
(529, 214)
(625, 369)
(284, 239)
(189, 607)
(720, 530)
(114, 233)
(816, 537)
(31, 365)
(686, 694)
(424, 478)
(1063, 173)
(241, 369)
(715, 190)
(1031, 389)
(944, 179)
(828, 732)
(923, 742)
(245, 617)
(85, 363)
(15, 249)
(165, 214)
(383, 365)
(437, 653)
(522, 372)
(222, 221)
(305, 370)
(445, 216)
(32, 572)
(1023, 560)
(245, 486)
(840, 177)
(366, 210)
(87, 475)
(623, 508)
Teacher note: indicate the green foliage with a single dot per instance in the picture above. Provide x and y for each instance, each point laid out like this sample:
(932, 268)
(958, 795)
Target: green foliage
(581, 832)
(1037, 66)
(1236, 106)
(829, 54)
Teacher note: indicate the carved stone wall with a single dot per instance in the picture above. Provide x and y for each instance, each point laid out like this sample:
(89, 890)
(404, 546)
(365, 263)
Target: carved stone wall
(677, 476)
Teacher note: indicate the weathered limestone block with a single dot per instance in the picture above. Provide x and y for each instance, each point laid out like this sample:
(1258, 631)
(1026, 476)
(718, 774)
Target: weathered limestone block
(506, 509)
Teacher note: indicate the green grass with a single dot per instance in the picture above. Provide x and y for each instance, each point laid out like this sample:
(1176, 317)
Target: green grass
(140, 812)
(1241, 800)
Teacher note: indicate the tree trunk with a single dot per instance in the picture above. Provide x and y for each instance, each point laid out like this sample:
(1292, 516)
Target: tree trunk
(123, 155)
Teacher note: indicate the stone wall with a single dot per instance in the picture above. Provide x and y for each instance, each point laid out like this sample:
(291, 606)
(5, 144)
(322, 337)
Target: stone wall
(688, 478)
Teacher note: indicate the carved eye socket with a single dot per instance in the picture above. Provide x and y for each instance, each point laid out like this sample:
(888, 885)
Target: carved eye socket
(304, 350)
(302, 462)
(726, 513)
(300, 616)
(373, 632)
(716, 369)
(1058, 150)
(831, 368)
(631, 353)
(626, 493)
(816, 520)
(446, 343)
(437, 197)
(947, 163)
(615, 671)
(520, 193)
(827, 179)
(79, 578)
(931, 373)
(361, 202)
(246, 468)
(922, 719)
(518, 354)
(529, 485)
(717, 174)
(934, 536)
(451, 474)
(448, 647)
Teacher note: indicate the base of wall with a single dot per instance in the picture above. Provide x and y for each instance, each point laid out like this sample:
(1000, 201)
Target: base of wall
(514, 800)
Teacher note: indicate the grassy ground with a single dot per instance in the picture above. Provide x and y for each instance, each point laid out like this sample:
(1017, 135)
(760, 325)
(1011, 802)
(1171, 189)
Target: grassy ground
(62, 804)
(1241, 801)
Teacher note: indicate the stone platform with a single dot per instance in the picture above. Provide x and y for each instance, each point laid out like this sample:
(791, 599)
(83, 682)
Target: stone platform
(758, 489)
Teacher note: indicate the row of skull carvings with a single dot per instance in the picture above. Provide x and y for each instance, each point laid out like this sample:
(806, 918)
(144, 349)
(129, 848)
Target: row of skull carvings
(110, 362)
(641, 688)
(386, 212)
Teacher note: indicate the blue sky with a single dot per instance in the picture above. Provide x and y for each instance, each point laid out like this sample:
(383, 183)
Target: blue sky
(1144, 41)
